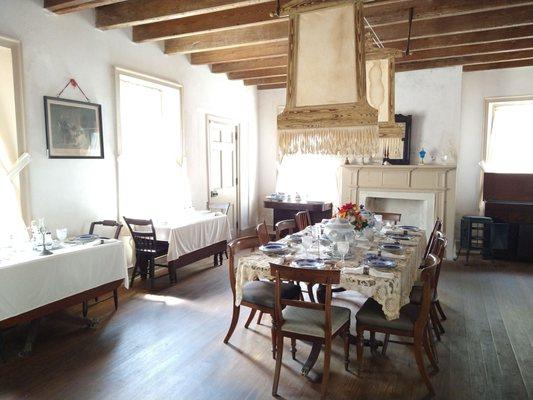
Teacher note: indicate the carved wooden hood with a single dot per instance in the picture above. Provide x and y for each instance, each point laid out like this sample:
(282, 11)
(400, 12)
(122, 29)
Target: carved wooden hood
(327, 111)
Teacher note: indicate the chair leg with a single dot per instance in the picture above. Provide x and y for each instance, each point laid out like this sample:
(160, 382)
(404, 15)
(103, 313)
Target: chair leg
(260, 317)
(151, 272)
(277, 370)
(273, 334)
(359, 343)
(226, 254)
(429, 352)
(325, 373)
(215, 260)
(84, 309)
(310, 292)
(417, 349)
(385, 343)
(441, 311)
(115, 298)
(234, 320)
(250, 318)
(347, 347)
(293, 348)
(433, 317)
(133, 274)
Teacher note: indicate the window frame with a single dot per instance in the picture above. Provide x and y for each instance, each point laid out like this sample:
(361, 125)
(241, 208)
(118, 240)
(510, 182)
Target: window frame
(118, 71)
(487, 114)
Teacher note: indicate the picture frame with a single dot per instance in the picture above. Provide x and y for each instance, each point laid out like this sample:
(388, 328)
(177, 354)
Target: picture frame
(73, 128)
(405, 160)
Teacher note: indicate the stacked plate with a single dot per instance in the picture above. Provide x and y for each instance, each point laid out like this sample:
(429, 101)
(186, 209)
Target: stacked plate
(311, 263)
(399, 236)
(393, 248)
(86, 238)
(376, 261)
(274, 248)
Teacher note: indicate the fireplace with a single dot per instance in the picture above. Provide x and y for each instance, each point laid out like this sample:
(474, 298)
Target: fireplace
(419, 193)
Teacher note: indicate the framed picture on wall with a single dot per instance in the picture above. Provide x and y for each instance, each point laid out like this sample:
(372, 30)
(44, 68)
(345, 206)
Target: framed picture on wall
(73, 128)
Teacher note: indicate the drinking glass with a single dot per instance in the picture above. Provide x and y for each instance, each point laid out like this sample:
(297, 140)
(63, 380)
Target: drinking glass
(61, 234)
(307, 242)
(343, 248)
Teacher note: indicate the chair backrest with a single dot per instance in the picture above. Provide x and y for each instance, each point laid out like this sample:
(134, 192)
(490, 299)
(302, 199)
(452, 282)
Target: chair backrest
(109, 223)
(284, 228)
(262, 233)
(236, 245)
(388, 216)
(437, 227)
(143, 234)
(222, 207)
(428, 281)
(324, 277)
(439, 249)
(302, 219)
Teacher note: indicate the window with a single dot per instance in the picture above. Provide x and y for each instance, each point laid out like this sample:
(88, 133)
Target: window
(12, 227)
(509, 135)
(152, 179)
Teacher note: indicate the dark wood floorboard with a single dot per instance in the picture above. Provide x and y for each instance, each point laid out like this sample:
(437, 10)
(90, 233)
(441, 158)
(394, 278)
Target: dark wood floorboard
(167, 344)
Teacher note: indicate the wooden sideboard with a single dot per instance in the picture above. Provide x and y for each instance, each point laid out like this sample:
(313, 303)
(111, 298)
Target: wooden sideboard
(288, 209)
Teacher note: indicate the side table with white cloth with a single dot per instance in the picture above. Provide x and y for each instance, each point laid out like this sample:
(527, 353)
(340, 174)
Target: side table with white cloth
(195, 236)
(34, 286)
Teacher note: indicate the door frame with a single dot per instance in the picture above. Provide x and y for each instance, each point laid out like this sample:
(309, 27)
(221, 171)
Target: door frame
(237, 125)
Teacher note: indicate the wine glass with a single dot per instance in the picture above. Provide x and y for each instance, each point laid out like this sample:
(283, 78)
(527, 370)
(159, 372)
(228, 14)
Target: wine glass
(343, 248)
(307, 242)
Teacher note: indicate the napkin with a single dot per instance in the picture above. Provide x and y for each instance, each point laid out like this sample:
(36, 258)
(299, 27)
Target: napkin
(387, 254)
(351, 270)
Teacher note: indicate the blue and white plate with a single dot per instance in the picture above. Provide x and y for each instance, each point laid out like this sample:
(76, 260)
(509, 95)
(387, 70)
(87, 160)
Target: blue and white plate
(409, 228)
(382, 263)
(308, 263)
(295, 239)
(86, 237)
(399, 236)
(391, 248)
(274, 248)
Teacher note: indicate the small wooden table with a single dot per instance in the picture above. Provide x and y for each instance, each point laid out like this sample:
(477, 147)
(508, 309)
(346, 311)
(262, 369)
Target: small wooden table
(288, 209)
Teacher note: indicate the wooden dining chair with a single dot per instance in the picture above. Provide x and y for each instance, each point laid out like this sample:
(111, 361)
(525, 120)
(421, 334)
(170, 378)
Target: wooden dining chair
(302, 219)
(118, 227)
(257, 295)
(389, 216)
(307, 321)
(413, 323)
(147, 250)
(107, 223)
(437, 227)
(262, 233)
(284, 228)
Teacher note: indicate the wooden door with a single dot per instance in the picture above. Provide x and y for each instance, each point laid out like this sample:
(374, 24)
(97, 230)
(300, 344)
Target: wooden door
(222, 136)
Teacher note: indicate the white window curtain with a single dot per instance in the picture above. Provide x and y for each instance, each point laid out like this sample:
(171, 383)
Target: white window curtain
(152, 178)
(314, 177)
(510, 137)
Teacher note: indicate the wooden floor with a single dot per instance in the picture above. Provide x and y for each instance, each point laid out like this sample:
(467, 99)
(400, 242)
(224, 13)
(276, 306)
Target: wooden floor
(168, 345)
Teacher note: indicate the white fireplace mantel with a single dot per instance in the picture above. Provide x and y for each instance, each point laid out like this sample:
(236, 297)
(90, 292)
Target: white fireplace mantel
(431, 186)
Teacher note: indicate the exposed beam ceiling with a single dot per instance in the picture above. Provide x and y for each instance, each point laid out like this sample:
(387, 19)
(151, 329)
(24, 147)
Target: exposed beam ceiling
(67, 6)
(243, 39)
(273, 86)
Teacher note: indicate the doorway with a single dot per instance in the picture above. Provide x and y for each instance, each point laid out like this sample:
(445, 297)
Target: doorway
(223, 166)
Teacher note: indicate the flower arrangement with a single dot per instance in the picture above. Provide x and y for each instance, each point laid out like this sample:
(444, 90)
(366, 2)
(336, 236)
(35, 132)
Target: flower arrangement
(352, 212)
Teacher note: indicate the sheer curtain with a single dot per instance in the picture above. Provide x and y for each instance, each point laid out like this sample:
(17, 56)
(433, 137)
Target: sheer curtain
(152, 181)
(510, 137)
(312, 176)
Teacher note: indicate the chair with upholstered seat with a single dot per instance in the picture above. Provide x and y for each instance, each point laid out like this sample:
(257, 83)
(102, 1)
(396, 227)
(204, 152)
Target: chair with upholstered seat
(257, 295)
(147, 250)
(284, 228)
(412, 322)
(308, 321)
(302, 219)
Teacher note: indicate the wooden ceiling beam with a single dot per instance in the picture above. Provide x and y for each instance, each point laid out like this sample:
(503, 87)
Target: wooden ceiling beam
(138, 12)
(240, 53)
(449, 40)
(498, 65)
(258, 73)
(68, 6)
(217, 21)
(265, 81)
(515, 16)
(465, 60)
(273, 86)
(274, 32)
(386, 13)
(260, 63)
(467, 50)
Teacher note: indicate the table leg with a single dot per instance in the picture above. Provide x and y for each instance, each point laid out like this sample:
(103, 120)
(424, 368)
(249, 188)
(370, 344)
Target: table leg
(2, 346)
(311, 360)
(30, 338)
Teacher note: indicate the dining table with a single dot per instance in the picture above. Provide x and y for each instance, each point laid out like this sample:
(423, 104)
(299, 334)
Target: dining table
(389, 287)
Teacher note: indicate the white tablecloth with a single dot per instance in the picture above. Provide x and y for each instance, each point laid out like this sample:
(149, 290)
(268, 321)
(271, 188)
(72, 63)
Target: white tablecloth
(29, 281)
(193, 232)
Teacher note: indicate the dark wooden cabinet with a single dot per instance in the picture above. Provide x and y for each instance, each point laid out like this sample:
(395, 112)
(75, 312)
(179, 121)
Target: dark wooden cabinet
(287, 209)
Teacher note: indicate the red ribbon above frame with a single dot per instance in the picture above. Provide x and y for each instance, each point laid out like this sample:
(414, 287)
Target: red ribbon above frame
(74, 84)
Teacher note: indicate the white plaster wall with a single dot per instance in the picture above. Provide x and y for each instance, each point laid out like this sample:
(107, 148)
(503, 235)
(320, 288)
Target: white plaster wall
(55, 48)
(476, 87)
